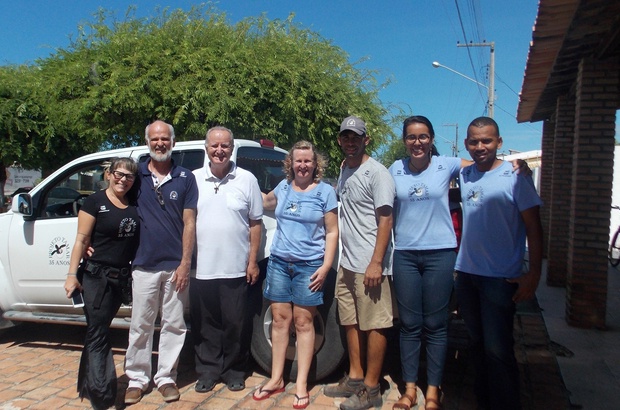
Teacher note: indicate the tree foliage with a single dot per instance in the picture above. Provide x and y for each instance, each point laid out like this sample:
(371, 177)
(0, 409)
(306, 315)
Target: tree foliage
(261, 78)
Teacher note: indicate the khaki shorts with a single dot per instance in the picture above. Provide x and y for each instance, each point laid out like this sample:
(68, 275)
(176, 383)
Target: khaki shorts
(369, 308)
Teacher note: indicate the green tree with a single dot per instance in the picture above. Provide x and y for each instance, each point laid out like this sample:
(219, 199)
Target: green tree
(21, 118)
(261, 78)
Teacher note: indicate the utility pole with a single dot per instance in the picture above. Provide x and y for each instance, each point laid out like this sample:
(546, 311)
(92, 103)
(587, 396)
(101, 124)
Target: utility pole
(491, 90)
(455, 145)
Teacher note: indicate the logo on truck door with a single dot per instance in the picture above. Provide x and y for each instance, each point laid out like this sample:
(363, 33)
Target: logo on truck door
(59, 252)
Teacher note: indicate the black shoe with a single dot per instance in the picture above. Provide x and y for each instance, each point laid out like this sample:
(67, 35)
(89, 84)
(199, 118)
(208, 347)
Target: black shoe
(236, 385)
(205, 385)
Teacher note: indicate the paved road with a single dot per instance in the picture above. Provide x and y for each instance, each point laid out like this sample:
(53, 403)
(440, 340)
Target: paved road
(39, 362)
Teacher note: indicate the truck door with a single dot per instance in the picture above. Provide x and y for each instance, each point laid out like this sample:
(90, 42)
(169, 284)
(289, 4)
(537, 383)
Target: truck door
(40, 249)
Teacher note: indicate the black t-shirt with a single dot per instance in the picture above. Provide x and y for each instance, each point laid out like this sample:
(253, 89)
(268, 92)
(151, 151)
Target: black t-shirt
(116, 232)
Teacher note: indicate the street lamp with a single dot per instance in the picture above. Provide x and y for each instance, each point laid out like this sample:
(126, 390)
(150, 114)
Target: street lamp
(490, 96)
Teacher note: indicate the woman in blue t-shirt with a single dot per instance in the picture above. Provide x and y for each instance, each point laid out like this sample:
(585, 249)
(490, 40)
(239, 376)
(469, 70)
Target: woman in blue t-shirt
(108, 223)
(424, 256)
(302, 253)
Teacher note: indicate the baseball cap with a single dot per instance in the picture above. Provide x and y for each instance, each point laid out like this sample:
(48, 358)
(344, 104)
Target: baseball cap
(353, 123)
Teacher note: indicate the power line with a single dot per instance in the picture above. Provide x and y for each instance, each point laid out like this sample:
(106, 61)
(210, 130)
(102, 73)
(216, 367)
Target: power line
(471, 62)
(506, 84)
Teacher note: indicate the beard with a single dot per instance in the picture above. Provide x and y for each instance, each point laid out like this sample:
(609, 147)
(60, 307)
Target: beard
(160, 157)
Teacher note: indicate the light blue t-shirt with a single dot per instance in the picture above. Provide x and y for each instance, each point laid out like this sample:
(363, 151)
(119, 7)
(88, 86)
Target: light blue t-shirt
(300, 232)
(493, 242)
(422, 218)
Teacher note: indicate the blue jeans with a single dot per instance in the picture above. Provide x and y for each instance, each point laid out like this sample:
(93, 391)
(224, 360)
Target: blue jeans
(289, 281)
(486, 305)
(423, 282)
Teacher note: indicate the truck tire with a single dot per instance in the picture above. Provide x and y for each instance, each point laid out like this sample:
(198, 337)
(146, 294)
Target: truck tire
(329, 341)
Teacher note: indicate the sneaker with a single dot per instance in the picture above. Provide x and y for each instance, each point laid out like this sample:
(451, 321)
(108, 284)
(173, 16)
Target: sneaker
(346, 387)
(365, 398)
(169, 391)
(133, 395)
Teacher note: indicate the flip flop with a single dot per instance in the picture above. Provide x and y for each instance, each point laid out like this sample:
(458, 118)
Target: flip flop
(412, 400)
(301, 406)
(269, 393)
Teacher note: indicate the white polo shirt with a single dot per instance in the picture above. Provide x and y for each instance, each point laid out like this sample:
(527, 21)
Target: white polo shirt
(225, 208)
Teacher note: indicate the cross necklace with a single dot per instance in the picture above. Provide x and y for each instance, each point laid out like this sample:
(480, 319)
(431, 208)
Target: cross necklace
(216, 185)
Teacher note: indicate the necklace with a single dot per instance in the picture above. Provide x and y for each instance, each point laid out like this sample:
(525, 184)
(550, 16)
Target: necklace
(216, 184)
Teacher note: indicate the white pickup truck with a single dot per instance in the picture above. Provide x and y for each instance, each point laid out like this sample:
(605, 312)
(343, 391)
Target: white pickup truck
(38, 233)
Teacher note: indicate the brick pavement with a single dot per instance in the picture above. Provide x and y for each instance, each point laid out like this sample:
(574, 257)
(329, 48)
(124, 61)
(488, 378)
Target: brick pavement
(39, 362)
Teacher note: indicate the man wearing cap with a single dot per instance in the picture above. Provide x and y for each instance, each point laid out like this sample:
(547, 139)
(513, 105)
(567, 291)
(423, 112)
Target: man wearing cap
(363, 290)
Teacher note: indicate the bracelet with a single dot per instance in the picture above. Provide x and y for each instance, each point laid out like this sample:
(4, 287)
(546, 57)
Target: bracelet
(71, 274)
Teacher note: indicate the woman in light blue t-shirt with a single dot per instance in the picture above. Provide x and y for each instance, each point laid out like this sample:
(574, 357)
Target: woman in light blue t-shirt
(424, 256)
(303, 250)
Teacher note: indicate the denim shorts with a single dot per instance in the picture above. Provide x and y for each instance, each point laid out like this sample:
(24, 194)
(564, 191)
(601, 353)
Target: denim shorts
(289, 281)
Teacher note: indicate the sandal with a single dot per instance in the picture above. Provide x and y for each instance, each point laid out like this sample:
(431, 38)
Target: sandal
(437, 403)
(412, 402)
(305, 399)
(268, 394)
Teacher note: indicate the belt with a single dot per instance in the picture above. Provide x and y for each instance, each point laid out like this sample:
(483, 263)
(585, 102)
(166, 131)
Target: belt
(108, 271)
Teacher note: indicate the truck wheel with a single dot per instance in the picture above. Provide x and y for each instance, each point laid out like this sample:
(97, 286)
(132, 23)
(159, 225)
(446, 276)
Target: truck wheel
(329, 345)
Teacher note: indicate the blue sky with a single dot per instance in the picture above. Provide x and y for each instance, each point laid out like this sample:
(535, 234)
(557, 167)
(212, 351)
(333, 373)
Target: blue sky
(399, 38)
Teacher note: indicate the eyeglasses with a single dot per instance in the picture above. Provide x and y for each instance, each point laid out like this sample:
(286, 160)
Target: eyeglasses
(160, 197)
(422, 138)
(120, 175)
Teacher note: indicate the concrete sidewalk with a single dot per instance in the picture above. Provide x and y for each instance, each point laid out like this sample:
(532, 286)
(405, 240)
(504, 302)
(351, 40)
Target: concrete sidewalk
(589, 359)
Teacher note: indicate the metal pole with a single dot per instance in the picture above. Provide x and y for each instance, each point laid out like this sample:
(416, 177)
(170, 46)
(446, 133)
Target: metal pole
(492, 81)
(455, 146)
(491, 88)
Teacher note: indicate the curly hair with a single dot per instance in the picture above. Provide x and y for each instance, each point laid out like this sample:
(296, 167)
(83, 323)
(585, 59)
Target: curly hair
(319, 161)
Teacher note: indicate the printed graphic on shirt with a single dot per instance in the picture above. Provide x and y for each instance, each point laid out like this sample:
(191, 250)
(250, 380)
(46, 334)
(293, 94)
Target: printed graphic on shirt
(292, 209)
(103, 209)
(127, 228)
(174, 195)
(418, 192)
(475, 196)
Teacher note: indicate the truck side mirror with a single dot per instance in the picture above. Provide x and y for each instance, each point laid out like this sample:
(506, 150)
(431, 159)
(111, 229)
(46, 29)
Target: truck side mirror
(22, 204)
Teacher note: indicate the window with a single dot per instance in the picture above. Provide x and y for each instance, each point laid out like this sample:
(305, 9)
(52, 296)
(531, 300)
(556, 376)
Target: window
(190, 159)
(265, 164)
(64, 198)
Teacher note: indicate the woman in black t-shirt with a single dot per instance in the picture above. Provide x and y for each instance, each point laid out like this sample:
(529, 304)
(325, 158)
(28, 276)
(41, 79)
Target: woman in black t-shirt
(107, 222)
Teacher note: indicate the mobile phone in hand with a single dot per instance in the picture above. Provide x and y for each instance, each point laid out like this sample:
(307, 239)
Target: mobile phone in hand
(78, 300)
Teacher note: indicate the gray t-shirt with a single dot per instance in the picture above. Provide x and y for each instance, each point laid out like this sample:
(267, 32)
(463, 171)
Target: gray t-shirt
(362, 190)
